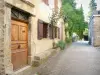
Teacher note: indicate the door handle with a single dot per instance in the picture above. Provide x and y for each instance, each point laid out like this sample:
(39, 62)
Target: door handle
(18, 46)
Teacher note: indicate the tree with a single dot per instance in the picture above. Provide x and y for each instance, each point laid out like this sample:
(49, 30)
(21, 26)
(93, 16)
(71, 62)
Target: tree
(54, 17)
(74, 17)
(92, 6)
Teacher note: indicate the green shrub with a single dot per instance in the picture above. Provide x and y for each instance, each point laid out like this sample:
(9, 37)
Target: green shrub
(61, 44)
(68, 40)
(85, 32)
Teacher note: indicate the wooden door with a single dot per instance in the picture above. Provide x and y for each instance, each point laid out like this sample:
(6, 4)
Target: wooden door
(19, 45)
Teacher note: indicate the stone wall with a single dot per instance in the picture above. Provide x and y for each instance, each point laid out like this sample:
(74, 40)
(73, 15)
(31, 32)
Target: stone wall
(7, 40)
(96, 31)
(2, 12)
(22, 5)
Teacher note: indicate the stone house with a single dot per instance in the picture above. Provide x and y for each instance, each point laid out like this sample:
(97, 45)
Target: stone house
(94, 26)
(25, 34)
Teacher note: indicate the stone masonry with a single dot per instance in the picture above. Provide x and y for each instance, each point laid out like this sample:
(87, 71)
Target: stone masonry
(96, 31)
(2, 69)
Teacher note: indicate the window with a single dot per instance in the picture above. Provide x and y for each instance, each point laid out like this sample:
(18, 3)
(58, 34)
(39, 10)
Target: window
(55, 29)
(50, 32)
(56, 32)
(42, 29)
(45, 31)
(18, 14)
(59, 33)
(46, 2)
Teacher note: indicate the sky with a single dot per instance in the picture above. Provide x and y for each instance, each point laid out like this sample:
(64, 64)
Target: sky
(85, 4)
(98, 4)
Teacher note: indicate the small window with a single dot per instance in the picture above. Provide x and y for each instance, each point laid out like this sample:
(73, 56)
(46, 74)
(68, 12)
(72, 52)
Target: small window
(45, 31)
(50, 32)
(42, 30)
(18, 14)
(56, 32)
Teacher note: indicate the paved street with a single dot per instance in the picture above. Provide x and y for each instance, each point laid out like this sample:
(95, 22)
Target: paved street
(79, 59)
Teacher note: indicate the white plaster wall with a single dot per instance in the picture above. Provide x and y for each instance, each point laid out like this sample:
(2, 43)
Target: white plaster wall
(43, 12)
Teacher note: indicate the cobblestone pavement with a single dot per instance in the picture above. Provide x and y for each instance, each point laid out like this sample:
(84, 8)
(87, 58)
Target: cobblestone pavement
(79, 59)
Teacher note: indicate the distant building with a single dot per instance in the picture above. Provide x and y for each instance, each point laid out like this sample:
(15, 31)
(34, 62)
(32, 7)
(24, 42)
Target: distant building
(94, 26)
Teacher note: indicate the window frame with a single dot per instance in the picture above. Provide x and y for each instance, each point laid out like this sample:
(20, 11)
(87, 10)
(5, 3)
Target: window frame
(42, 30)
(57, 32)
(47, 31)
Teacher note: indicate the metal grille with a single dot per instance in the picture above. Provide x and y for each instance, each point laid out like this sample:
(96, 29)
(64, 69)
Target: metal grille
(17, 14)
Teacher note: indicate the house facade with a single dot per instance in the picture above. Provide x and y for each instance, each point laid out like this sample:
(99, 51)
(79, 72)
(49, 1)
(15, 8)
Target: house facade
(94, 26)
(26, 35)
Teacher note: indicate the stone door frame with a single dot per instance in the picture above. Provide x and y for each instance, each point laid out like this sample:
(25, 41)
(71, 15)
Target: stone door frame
(7, 40)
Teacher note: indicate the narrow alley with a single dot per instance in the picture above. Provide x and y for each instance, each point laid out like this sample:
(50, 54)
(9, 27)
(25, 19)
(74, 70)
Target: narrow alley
(79, 59)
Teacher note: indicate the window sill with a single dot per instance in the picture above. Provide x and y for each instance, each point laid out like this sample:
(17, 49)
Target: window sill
(49, 39)
(56, 38)
(46, 39)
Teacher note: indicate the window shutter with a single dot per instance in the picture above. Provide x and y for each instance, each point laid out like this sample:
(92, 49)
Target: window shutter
(58, 33)
(40, 30)
(45, 30)
(53, 32)
(56, 30)
(50, 32)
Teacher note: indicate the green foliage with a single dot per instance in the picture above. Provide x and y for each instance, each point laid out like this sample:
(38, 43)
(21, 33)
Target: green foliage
(74, 17)
(92, 5)
(56, 15)
(71, 2)
(68, 40)
(85, 32)
(61, 44)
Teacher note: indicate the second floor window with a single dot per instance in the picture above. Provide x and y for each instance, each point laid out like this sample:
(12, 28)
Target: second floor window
(56, 4)
(56, 33)
(46, 2)
(47, 31)
(42, 30)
